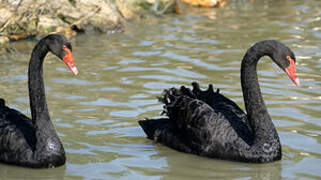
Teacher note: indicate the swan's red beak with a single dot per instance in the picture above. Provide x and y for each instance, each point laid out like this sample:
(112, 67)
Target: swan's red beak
(291, 71)
(69, 60)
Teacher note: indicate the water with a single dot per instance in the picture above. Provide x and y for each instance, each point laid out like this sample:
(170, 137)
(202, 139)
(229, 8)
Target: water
(121, 75)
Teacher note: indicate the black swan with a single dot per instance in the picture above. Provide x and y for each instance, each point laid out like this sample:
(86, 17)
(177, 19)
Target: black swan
(208, 124)
(34, 142)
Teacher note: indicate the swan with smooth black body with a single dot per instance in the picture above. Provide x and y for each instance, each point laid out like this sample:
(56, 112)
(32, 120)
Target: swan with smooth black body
(34, 142)
(208, 124)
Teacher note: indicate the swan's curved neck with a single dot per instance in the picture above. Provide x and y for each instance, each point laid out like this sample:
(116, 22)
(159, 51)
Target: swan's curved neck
(257, 113)
(38, 105)
(48, 146)
(45, 130)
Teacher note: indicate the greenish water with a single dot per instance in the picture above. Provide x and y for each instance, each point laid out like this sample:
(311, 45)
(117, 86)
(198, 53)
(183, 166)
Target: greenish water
(121, 75)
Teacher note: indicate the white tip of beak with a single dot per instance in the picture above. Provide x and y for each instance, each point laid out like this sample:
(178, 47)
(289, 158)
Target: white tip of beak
(74, 70)
(297, 81)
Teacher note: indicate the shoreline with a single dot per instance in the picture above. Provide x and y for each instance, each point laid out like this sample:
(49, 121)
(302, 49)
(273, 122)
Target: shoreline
(23, 19)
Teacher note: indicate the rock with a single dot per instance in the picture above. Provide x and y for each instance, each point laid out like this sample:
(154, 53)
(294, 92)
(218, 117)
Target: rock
(164, 6)
(187, 9)
(5, 16)
(158, 7)
(4, 44)
(21, 19)
(127, 9)
(3, 40)
(87, 15)
(48, 24)
(205, 3)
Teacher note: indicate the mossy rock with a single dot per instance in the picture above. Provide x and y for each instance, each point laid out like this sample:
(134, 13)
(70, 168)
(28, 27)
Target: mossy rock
(4, 44)
(49, 23)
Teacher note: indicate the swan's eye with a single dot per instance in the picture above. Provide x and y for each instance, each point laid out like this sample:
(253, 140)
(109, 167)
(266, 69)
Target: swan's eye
(68, 45)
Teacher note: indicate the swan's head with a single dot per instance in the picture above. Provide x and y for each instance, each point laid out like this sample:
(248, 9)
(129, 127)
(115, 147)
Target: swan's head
(62, 48)
(285, 59)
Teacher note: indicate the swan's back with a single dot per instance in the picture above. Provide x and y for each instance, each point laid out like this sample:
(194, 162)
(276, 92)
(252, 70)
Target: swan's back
(17, 140)
(200, 122)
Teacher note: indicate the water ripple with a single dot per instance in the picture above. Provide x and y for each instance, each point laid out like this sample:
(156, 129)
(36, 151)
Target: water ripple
(121, 76)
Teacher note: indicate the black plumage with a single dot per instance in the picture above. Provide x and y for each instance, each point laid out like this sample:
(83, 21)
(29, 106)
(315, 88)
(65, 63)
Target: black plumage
(33, 142)
(208, 124)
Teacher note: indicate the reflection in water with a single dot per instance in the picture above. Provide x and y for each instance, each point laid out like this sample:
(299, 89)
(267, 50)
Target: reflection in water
(12, 172)
(184, 166)
(121, 75)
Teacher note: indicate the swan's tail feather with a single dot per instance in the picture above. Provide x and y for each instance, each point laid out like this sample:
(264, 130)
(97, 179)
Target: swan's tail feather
(160, 130)
(188, 114)
(150, 126)
(173, 98)
(180, 97)
(206, 93)
(196, 86)
(2, 102)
